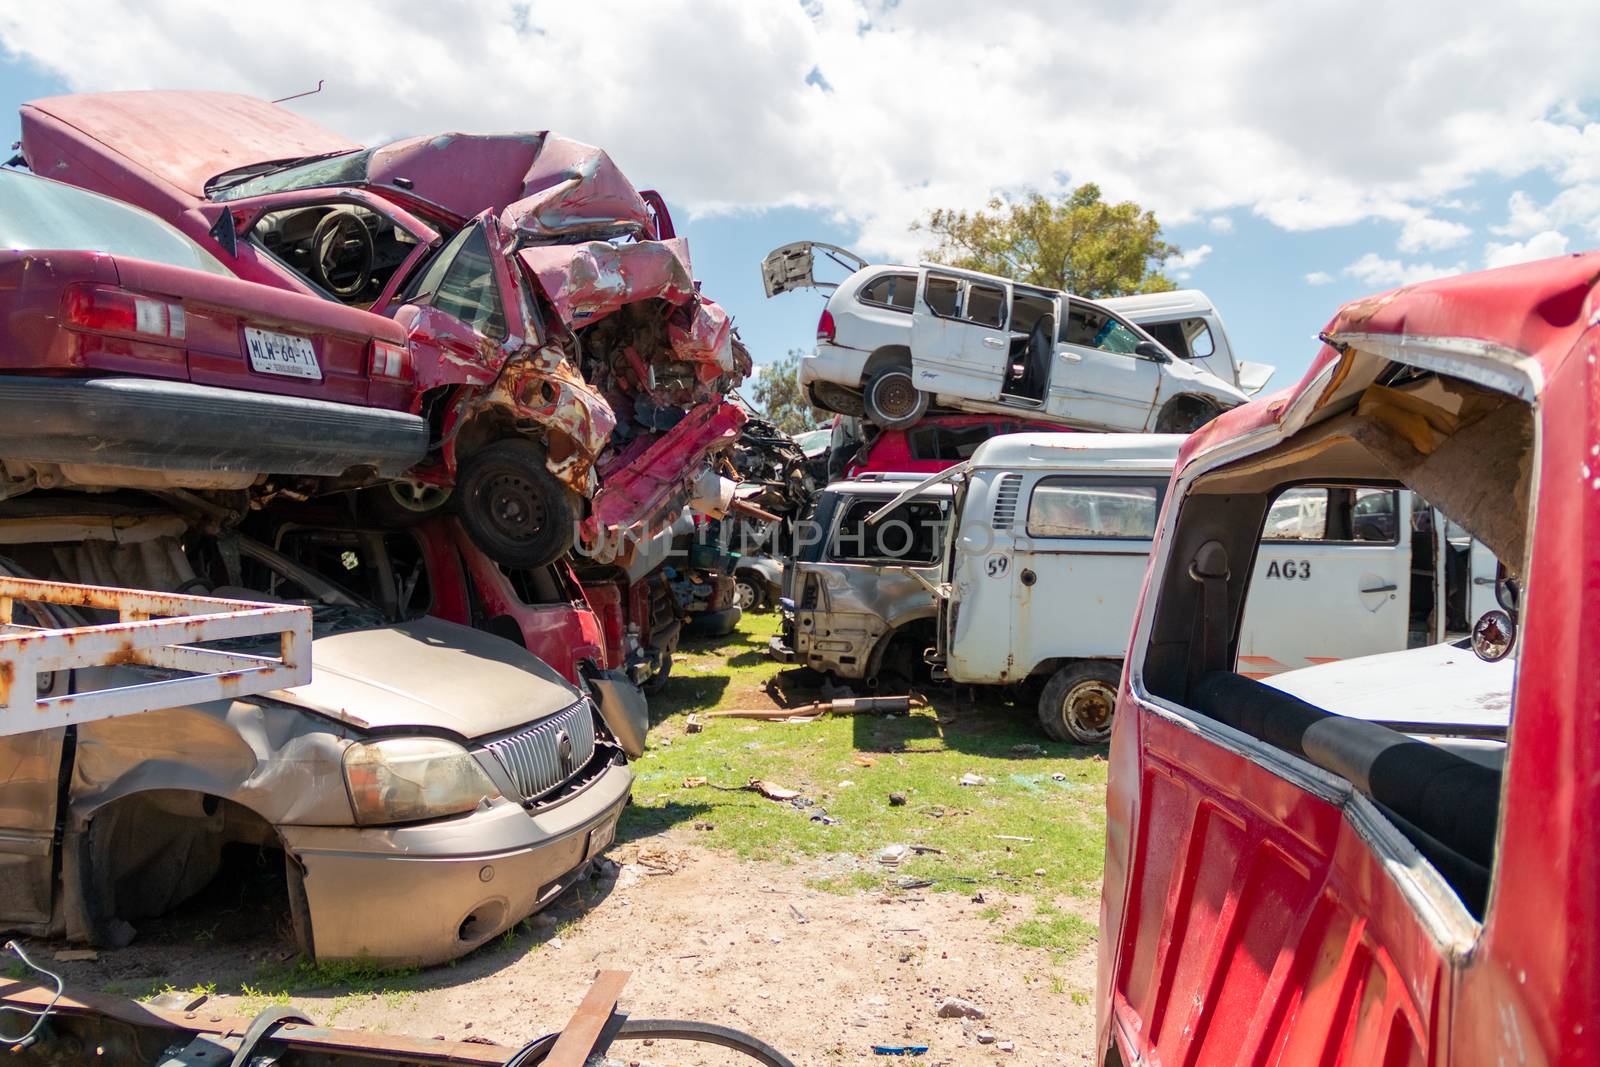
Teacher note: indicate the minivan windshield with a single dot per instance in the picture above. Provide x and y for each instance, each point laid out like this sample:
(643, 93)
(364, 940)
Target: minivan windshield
(41, 215)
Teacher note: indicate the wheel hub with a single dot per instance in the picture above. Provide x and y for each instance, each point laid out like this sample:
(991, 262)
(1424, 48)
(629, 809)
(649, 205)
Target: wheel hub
(896, 396)
(515, 509)
(1088, 708)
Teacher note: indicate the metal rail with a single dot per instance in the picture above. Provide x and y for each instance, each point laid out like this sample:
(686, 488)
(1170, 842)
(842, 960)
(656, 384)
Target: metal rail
(154, 630)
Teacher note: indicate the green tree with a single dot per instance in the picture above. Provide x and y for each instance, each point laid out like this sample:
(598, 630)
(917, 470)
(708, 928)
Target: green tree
(1078, 243)
(777, 393)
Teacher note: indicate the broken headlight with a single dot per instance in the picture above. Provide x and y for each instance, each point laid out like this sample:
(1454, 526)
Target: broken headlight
(403, 779)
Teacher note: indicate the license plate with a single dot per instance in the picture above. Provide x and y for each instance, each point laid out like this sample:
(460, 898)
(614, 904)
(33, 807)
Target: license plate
(599, 838)
(281, 353)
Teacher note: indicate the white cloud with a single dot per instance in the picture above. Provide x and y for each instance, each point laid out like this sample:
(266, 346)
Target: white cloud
(1378, 272)
(875, 111)
(1319, 277)
(1182, 265)
(1220, 224)
(1427, 234)
(1576, 207)
(1541, 245)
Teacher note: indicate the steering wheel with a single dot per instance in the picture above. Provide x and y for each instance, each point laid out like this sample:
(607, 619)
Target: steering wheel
(341, 254)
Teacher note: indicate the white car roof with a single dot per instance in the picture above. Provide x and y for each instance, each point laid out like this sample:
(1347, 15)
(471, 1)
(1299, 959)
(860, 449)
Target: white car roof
(1178, 301)
(1155, 452)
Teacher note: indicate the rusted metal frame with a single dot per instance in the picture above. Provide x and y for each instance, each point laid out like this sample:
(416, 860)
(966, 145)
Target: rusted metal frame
(579, 1037)
(156, 630)
(298, 1036)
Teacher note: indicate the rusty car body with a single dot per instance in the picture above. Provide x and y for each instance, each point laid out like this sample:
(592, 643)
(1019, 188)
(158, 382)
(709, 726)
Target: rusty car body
(430, 786)
(549, 310)
(856, 605)
(1285, 884)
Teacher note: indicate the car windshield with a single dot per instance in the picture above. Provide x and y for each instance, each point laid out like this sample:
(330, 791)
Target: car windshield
(341, 169)
(41, 215)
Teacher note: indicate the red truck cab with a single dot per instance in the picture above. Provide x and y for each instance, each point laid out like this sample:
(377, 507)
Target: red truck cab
(1289, 884)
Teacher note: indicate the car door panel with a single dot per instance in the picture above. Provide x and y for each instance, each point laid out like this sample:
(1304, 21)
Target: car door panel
(951, 352)
(1095, 385)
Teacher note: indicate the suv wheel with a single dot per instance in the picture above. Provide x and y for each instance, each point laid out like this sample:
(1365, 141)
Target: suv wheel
(514, 509)
(892, 400)
(1186, 414)
(1079, 700)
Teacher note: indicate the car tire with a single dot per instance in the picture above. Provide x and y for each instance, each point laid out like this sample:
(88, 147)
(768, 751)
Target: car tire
(749, 592)
(514, 509)
(403, 503)
(1079, 701)
(892, 400)
(1186, 414)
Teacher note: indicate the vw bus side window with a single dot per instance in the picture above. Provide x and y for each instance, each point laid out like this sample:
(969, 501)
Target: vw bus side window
(1094, 508)
(911, 534)
(1319, 513)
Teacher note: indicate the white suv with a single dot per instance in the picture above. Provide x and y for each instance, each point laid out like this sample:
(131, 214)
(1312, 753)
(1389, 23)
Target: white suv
(895, 339)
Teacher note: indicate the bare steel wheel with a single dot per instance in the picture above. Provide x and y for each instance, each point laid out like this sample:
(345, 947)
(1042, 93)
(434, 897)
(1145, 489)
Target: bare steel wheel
(892, 399)
(1079, 701)
(519, 513)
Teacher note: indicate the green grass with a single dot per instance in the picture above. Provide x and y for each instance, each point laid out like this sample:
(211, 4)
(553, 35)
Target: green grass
(918, 755)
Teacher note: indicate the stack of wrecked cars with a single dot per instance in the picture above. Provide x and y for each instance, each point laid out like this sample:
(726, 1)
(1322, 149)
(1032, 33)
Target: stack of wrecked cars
(243, 357)
(556, 377)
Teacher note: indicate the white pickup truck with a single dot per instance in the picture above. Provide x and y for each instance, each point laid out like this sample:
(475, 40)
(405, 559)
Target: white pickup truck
(894, 340)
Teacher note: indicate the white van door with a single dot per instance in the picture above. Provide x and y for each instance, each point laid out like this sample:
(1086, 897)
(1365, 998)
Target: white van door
(1332, 579)
(1080, 562)
(960, 339)
(1096, 379)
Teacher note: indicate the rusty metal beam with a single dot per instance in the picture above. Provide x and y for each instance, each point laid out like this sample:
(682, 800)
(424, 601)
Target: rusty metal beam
(576, 1043)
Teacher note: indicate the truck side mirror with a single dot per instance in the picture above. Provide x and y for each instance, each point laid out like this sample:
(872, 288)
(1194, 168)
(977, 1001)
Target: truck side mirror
(1152, 350)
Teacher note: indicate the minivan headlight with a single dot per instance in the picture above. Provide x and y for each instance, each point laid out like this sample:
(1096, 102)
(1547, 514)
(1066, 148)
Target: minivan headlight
(403, 779)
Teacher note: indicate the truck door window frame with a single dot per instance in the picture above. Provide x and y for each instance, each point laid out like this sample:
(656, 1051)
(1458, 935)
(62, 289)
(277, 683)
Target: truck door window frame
(856, 509)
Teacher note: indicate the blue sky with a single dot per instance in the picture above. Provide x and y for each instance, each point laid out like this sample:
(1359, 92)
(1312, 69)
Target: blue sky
(1299, 159)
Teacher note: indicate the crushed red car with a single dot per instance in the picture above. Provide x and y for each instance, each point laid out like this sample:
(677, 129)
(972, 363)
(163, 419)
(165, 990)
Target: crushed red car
(557, 342)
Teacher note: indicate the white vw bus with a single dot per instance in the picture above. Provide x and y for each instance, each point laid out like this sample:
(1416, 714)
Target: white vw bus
(1047, 554)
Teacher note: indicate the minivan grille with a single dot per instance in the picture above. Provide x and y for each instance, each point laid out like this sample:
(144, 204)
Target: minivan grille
(1005, 501)
(548, 753)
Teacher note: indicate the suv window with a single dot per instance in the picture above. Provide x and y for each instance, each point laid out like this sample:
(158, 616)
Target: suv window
(460, 282)
(1319, 513)
(912, 533)
(1094, 508)
(1092, 327)
(986, 305)
(897, 292)
(1186, 338)
(943, 295)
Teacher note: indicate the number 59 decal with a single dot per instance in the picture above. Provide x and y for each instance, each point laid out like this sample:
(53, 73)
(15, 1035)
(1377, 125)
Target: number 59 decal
(1290, 569)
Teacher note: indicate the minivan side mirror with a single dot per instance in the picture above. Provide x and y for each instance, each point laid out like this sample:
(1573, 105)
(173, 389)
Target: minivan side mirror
(1152, 350)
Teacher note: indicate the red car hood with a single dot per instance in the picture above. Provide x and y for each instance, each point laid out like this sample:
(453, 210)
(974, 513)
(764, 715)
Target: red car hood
(544, 185)
(183, 138)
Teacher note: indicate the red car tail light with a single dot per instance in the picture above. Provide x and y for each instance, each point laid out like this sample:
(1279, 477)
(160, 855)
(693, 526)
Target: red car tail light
(392, 363)
(102, 309)
(825, 326)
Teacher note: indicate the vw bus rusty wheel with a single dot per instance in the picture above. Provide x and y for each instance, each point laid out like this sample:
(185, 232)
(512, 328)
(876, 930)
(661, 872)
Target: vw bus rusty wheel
(1079, 700)
(892, 399)
(514, 509)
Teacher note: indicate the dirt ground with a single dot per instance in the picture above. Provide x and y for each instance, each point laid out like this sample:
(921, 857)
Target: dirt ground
(820, 976)
(766, 921)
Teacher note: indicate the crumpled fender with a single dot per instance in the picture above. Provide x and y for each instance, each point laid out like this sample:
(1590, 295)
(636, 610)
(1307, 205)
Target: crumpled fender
(648, 483)
(586, 282)
(531, 389)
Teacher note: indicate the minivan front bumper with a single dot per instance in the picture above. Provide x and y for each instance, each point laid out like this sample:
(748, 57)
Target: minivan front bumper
(422, 894)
